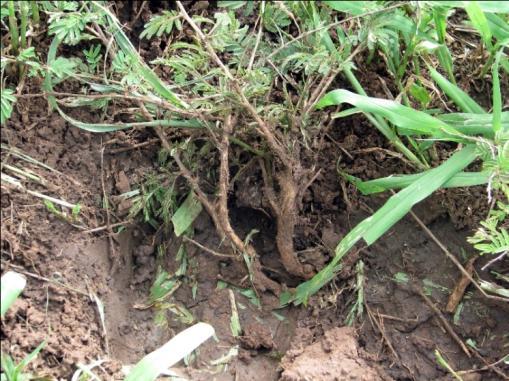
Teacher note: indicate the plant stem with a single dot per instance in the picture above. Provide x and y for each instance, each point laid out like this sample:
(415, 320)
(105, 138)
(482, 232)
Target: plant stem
(35, 13)
(13, 27)
(23, 11)
(382, 125)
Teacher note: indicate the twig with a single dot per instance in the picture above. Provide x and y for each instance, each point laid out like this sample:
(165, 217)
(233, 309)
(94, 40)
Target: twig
(205, 248)
(382, 331)
(444, 321)
(55, 282)
(126, 149)
(258, 38)
(133, 21)
(105, 227)
(158, 129)
(454, 260)
(264, 129)
(113, 252)
(324, 84)
(498, 258)
(461, 286)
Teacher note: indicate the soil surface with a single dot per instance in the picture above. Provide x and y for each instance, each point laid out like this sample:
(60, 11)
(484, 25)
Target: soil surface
(76, 276)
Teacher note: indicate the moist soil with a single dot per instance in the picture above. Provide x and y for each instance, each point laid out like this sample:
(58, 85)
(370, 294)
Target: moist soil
(73, 275)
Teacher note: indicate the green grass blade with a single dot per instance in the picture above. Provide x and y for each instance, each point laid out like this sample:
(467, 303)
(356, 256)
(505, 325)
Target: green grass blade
(103, 127)
(11, 286)
(108, 127)
(476, 124)
(157, 362)
(396, 113)
(391, 212)
(498, 26)
(31, 356)
(352, 7)
(461, 179)
(479, 22)
(486, 6)
(458, 96)
(186, 214)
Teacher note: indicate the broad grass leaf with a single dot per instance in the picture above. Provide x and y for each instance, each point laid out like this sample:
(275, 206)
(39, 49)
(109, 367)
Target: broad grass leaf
(186, 214)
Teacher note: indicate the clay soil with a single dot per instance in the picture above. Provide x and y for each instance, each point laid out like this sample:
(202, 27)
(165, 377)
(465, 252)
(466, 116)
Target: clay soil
(68, 270)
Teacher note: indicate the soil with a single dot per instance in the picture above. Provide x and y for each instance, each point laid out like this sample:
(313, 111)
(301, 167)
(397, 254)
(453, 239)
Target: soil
(70, 277)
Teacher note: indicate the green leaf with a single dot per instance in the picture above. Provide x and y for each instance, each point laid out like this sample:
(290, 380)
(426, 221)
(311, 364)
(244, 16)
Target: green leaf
(7, 100)
(420, 93)
(485, 6)
(11, 286)
(498, 26)
(475, 124)
(186, 214)
(231, 4)
(160, 24)
(398, 114)
(31, 356)
(158, 361)
(461, 179)
(479, 21)
(458, 96)
(355, 8)
(163, 286)
(63, 67)
(391, 212)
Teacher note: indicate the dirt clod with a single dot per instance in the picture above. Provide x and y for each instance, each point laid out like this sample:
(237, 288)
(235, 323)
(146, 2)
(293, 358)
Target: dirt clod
(336, 356)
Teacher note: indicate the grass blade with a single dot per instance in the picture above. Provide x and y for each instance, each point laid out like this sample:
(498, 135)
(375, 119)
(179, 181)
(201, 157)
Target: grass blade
(458, 96)
(104, 127)
(391, 212)
(462, 179)
(479, 22)
(186, 214)
(396, 113)
(157, 362)
(12, 284)
(485, 6)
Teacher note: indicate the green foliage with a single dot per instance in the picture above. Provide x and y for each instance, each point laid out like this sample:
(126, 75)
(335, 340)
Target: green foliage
(16, 372)
(373, 227)
(158, 361)
(7, 101)
(156, 199)
(275, 18)
(492, 237)
(93, 56)
(162, 23)
(69, 26)
(186, 214)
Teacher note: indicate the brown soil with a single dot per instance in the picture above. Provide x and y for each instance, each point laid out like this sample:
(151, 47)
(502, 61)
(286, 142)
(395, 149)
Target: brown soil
(65, 267)
(326, 360)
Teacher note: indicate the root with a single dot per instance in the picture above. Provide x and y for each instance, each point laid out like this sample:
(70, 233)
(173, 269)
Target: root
(285, 208)
(218, 211)
(286, 221)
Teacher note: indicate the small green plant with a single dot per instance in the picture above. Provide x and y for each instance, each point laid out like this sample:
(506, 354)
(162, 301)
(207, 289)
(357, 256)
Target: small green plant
(492, 237)
(93, 56)
(72, 218)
